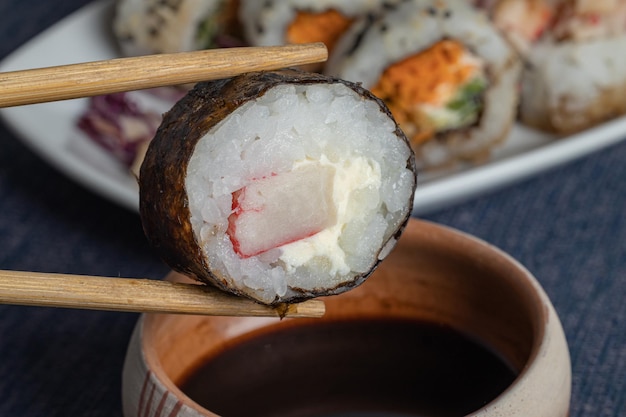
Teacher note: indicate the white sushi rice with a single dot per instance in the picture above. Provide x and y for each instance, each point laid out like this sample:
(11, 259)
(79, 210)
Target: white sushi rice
(291, 125)
(569, 86)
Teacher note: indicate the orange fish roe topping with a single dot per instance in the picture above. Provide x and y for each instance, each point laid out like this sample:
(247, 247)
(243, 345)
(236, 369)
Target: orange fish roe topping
(324, 27)
(431, 77)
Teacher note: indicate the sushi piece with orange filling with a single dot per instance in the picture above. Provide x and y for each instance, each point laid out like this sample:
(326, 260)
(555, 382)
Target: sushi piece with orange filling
(302, 21)
(435, 90)
(448, 76)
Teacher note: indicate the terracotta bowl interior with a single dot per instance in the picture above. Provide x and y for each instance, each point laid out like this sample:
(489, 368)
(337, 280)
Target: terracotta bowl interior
(434, 274)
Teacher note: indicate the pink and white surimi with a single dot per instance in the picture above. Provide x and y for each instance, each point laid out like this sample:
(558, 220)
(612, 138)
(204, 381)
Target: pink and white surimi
(281, 209)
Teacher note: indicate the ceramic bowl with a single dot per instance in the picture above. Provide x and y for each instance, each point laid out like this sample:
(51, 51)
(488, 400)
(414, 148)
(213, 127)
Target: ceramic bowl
(435, 274)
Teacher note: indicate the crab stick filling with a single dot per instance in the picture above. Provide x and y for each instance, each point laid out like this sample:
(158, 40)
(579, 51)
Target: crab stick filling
(303, 211)
(280, 209)
(435, 90)
(327, 27)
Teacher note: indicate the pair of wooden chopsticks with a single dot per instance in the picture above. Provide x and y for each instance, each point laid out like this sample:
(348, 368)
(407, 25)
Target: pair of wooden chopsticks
(125, 74)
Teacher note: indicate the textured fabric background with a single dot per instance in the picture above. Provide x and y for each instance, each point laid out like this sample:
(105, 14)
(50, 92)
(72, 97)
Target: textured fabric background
(567, 226)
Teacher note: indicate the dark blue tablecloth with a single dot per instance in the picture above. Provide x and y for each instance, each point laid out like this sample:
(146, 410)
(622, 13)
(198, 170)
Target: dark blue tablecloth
(568, 226)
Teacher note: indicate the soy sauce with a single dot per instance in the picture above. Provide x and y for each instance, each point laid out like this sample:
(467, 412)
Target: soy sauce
(367, 368)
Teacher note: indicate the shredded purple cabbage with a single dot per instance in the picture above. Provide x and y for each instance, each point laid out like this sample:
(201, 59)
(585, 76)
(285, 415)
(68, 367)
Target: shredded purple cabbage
(119, 125)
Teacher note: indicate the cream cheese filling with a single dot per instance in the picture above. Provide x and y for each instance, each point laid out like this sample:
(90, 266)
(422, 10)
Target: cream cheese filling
(351, 175)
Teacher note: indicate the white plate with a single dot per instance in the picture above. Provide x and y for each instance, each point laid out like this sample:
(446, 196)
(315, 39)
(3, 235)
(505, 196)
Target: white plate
(50, 129)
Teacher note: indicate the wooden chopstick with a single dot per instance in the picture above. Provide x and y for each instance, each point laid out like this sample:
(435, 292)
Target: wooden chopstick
(64, 82)
(137, 295)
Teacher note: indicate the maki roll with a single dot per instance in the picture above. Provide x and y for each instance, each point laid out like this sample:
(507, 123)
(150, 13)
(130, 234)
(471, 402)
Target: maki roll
(267, 23)
(279, 186)
(575, 75)
(143, 27)
(448, 76)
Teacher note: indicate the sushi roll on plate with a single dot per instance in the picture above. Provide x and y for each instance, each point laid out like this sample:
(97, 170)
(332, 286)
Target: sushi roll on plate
(448, 76)
(575, 76)
(279, 186)
(267, 23)
(574, 86)
(143, 27)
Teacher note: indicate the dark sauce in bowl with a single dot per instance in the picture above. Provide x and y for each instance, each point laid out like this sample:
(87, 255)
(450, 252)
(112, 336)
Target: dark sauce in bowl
(363, 367)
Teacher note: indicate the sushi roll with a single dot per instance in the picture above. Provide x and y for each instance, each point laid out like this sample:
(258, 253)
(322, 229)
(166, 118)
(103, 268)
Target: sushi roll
(574, 78)
(279, 186)
(143, 27)
(267, 23)
(448, 76)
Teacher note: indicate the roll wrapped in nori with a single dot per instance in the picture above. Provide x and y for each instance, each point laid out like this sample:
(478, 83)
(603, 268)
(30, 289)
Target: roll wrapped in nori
(448, 76)
(279, 186)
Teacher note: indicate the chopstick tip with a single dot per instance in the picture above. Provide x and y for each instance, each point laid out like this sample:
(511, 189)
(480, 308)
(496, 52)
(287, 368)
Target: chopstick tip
(304, 309)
